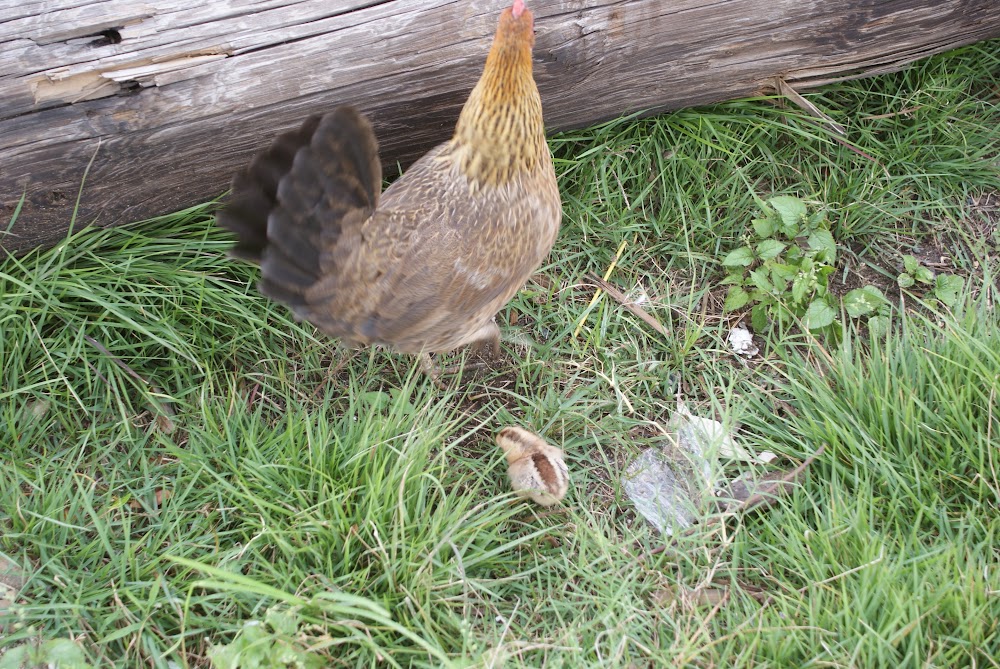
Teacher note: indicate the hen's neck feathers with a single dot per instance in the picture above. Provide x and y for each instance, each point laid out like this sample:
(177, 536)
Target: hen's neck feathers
(500, 133)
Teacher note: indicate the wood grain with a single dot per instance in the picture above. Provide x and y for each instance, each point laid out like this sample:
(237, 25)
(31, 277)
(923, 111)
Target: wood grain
(167, 100)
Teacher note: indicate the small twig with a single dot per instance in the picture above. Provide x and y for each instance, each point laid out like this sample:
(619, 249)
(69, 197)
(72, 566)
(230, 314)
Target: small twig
(785, 89)
(121, 365)
(621, 299)
(597, 293)
(773, 488)
(96, 371)
(876, 117)
(166, 407)
(253, 394)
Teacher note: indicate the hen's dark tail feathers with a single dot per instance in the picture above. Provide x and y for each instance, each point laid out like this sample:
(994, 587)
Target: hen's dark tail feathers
(288, 207)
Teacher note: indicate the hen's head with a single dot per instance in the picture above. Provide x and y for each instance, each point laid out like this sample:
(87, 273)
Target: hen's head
(517, 25)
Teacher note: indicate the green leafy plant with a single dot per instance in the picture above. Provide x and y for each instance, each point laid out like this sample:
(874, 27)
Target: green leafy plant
(869, 301)
(913, 272)
(62, 653)
(271, 643)
(946, 288)
(784, 270)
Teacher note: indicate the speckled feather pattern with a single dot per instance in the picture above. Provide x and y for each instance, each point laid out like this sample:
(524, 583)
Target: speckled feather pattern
(437, 259)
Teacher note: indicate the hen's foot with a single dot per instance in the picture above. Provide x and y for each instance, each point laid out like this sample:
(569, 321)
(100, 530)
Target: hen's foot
(485, 347)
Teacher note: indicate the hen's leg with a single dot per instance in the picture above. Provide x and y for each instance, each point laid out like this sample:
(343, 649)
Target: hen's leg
(431, 369)
(486, 343)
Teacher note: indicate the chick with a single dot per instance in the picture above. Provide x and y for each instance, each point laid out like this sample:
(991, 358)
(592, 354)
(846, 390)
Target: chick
(536, 468)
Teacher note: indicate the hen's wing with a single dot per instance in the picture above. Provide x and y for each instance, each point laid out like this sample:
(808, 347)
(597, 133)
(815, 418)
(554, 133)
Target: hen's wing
(299, 197)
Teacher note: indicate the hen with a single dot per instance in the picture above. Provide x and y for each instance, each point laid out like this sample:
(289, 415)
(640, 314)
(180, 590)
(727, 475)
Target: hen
(426, 267)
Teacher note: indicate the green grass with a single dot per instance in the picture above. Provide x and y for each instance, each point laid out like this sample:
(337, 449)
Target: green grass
(181, 457)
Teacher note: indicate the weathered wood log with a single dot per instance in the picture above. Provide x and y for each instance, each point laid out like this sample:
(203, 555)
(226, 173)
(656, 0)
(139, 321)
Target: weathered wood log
(164, 101)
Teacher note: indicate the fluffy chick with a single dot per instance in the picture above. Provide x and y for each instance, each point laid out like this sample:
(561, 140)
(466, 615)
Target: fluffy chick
(535, 467)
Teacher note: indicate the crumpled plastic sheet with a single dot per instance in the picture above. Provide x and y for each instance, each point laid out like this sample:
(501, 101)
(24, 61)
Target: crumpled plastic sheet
(656, 485)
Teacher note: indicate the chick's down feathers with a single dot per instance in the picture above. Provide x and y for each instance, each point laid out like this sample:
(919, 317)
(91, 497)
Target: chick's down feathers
(426, 266)
(536, 468)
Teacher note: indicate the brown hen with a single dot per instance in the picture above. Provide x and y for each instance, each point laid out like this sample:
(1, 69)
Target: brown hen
(425, 268)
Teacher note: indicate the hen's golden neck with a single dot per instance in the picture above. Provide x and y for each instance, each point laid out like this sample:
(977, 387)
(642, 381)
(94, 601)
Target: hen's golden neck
(500, 132)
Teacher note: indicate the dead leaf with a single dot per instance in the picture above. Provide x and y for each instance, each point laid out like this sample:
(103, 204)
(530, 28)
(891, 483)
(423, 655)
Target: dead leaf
(38, 408)
(164, 424)
(160, 495)
(743, 495)
(704, 596)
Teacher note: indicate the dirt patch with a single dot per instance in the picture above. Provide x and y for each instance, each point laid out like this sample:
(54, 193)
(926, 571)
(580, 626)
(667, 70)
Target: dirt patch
(12, 579)
(983, 219)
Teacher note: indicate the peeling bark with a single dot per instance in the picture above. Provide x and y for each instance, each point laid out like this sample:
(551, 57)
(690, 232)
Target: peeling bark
(169, 100)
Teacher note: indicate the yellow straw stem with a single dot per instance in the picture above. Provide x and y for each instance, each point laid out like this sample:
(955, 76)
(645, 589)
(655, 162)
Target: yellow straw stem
(599, 292)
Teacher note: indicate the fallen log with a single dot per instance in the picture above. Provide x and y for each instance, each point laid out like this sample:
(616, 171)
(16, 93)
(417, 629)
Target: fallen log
(164, 101)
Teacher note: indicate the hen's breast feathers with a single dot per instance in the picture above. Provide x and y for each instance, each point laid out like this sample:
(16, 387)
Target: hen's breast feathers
(439, 245)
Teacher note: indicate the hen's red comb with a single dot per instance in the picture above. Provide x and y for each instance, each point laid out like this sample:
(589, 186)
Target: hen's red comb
(517, 8)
